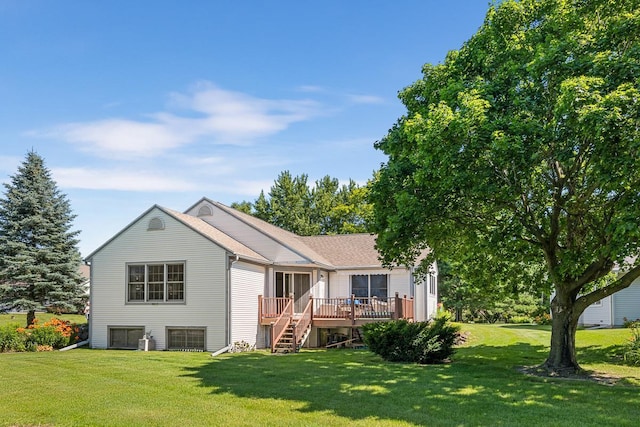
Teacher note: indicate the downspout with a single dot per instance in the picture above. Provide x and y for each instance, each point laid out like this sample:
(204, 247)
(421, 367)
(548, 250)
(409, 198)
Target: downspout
(227, 309)
(90, 315)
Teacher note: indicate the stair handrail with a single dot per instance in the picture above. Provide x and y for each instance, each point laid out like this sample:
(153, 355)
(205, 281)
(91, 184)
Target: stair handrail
(280, 325)
(303, 322)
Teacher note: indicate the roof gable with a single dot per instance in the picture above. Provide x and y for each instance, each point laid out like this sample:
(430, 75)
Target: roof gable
(287, 239)
(199, 226)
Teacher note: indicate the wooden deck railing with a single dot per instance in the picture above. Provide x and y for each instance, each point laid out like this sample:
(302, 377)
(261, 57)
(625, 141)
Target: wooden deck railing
(353, 308)
(280, 325)
(303, 322)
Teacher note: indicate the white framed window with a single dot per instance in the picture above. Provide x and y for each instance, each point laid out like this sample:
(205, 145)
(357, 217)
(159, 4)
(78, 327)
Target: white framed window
(186, 338)
(370, 285)
(156, 282)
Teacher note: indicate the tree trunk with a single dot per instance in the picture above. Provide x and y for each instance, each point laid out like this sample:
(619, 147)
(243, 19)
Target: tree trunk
(31, 317)
(562, 356)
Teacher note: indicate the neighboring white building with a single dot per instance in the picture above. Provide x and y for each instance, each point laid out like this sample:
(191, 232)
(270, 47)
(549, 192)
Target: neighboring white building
(214, 276)
(615, 309)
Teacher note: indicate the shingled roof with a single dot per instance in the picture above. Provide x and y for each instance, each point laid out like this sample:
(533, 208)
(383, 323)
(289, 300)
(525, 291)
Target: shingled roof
(280, 235)
(345, 250)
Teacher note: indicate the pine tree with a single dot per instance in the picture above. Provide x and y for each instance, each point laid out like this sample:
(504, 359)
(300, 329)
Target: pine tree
(39, 259)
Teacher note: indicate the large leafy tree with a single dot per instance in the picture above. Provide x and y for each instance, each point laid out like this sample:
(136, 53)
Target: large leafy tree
(524, 145)
(39, 259)
(324, 208)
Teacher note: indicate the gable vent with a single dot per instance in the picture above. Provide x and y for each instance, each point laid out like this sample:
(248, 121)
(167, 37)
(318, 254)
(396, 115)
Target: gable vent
(205, 210)
(156, 224)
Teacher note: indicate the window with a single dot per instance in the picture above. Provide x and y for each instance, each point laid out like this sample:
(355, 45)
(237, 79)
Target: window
(205, 210)
(155, 224)
(369, 285)
(432, 284)
(180, 338)
(125, 337)
(155, 282)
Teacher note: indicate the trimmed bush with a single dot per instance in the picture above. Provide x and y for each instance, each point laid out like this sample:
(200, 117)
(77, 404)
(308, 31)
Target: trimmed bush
(418, 342)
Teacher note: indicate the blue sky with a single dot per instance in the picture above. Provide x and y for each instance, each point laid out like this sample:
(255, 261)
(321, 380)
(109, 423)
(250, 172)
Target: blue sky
(133, 103)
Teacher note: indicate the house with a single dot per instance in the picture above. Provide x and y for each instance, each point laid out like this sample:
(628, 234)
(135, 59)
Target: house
(213, 276)
(615, 309)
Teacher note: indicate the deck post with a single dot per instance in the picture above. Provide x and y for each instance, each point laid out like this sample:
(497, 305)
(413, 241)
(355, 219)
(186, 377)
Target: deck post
(260, 308)
(273, 344)
(399, 314)
(353, 309)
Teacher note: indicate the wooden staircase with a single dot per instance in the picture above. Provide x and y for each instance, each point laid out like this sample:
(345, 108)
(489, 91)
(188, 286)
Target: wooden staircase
(286, 342)
(290, 331)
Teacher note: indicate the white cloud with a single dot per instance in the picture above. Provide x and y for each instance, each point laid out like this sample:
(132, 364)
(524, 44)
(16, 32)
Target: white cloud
(96, 179)
(365, 99)
(221, 116)
(119, 137)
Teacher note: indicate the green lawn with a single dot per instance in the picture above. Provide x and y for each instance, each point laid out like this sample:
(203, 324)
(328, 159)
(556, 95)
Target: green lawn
(482, 386)
(21, 318)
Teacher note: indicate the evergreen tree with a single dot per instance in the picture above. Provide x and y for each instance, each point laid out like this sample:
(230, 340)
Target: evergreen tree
(39, 259)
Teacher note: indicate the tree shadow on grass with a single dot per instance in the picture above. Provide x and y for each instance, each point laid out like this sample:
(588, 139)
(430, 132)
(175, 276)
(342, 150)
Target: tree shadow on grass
(532, 326)
(480, 386)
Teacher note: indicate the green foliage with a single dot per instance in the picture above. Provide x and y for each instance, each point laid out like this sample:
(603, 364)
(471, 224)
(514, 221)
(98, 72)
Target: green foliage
(419, 342)
(629, 323)
(11, 340)
(488, 301)
(53, 334)
(325, 208)
(45, 336)
(632, 349)
(518, 156)
(39, 259)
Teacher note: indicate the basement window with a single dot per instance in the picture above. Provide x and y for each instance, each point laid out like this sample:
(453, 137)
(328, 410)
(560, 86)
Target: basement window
(125, 337)
(186, 338)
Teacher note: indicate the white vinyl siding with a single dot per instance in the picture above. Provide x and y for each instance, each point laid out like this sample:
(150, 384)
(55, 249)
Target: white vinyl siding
(626, 303)
(249, 236)
(205, 282)
(597, 314)
(247, 282)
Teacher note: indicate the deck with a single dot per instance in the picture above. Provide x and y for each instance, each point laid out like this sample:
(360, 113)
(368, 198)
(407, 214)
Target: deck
(340, 312)
(290, 328)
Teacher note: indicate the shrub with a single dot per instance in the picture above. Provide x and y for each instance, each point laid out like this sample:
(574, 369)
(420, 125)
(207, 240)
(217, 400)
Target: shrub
(629, 323)
(542, 319)
(46, 336)
(11, 339)
(50, 335)
(632, 350)
(419, 342)
(520, 319)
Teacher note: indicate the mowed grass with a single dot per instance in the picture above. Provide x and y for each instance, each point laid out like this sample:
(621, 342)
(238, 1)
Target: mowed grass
(21, 318)
(481, 386)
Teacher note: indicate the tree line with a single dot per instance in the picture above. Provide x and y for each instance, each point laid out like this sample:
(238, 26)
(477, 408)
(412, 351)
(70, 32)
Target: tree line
(326, 207)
